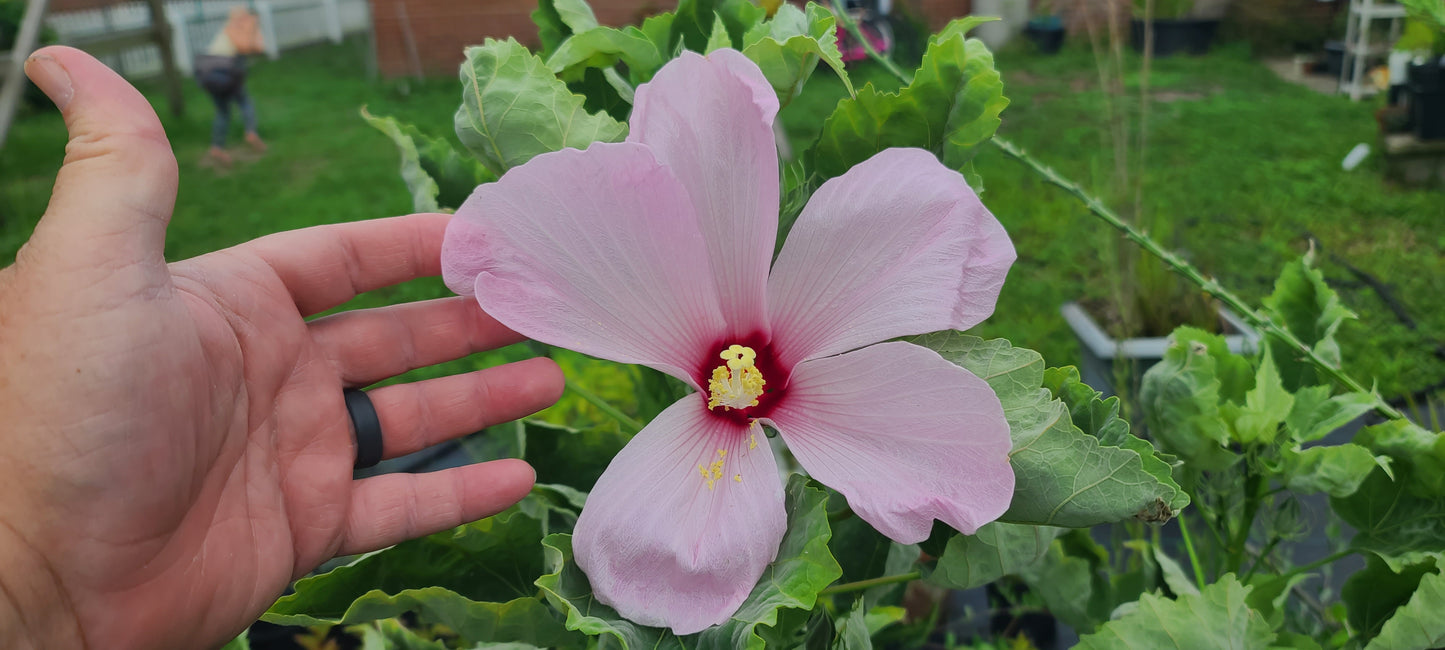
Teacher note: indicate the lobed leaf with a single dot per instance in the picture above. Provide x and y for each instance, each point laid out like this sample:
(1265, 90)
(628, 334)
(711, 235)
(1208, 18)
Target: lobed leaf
(475, 579)
(1401, 527)
(1374, 593)
(789, 46)
(997, 550)
(436, 174)
(1181, 396)
(1316, 413)
(1418, 625)
(514, 108)
(558, 19)
(1335, 470)
(1409, 446)
(1063, 476)
(603, 47)
(950, 108)
(1311, 311)
(1216, 617)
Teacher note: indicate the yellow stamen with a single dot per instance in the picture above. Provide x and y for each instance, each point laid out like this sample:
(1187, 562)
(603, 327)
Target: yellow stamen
(738, 478)
(738, 383)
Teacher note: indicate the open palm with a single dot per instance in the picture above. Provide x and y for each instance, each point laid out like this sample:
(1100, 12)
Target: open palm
(175, 445)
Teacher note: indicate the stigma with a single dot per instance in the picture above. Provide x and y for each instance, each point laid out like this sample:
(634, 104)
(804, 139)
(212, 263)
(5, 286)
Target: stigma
(737, 384)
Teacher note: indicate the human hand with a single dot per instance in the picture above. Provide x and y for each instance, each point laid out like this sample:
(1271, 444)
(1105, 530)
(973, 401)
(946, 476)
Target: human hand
(175, 446)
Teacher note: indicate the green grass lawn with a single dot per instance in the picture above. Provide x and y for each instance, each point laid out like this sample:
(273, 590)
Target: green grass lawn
(1243, 167)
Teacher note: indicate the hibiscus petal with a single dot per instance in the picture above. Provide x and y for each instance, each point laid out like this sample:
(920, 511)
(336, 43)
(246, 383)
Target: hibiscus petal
(898, 245)
(710, 121)
(906, 436)
(596, 251)
(665, 546)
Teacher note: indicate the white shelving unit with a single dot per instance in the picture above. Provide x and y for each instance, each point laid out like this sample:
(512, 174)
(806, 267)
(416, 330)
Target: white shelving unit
(1359, 50)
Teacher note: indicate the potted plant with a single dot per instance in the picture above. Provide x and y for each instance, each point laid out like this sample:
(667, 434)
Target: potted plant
(1423, 41)
(1046, 28)
(1176, 26)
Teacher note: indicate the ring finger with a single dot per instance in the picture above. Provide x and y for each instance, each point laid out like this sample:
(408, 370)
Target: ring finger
(418, 415)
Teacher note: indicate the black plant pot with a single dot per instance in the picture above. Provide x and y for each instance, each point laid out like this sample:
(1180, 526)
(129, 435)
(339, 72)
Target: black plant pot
(1176, 35)
(1427, 100)
(1046, 33)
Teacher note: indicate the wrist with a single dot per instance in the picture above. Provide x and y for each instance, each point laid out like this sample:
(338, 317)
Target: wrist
(35, 611)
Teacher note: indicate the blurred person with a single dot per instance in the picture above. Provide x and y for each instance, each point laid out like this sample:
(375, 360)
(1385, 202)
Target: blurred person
(222, 72)
(177, 440)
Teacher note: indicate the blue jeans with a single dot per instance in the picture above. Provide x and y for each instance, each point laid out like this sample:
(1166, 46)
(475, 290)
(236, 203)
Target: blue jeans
(228, 86)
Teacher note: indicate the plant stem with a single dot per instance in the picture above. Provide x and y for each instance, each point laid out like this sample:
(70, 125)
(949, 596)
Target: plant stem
(602, 405)
(1189, 272)
(851, 25)
(1329, 559)
(870, 583)
(1189, 548)
(1254, 485)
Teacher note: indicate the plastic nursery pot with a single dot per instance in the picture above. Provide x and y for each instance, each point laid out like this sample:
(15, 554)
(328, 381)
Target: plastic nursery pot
(1103, 355)
(1046, 33)
(1176, 35)
(1427, 99)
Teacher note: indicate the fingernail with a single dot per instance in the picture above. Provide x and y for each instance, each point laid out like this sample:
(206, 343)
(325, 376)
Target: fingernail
(51, 77)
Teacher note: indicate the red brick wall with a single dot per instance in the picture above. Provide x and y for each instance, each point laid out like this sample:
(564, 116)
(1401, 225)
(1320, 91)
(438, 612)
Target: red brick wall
(442, 28)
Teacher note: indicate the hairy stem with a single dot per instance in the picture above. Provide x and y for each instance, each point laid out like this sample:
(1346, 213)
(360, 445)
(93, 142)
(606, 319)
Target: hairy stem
(1189, 272)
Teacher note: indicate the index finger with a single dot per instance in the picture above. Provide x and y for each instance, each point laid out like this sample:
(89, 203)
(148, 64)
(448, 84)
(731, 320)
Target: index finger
(325, 266)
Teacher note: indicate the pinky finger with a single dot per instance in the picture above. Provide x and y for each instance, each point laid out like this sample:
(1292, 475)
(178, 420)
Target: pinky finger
(393, 508)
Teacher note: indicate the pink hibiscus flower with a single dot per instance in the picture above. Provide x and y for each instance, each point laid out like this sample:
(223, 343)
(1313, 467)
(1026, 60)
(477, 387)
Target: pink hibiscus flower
(656, 251)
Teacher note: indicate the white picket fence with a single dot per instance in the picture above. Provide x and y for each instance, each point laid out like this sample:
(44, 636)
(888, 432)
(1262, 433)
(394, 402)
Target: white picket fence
(284, 24)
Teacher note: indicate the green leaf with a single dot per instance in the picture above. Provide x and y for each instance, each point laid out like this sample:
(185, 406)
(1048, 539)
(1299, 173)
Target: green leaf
(951, 107)
(566, 587)
(603, 47)
(390, 634)
(1409, 446)
(558, 19)
(1173, 574)
(718, 39)
(789, 47)
(423, 189)
(1399, 526)
(1418, 625)
(1181, 397)
(437, 175)
(1311, 311)
(997, 550)
(1316, 413)
(1063, 476)
(1069, 588)
(560, 455)
(1086, 409)
(514, 108)
(1373, 593)
(855, 631)
(693, 23)
(1217, 617)
(1335, 470)
(242, 642)
(457, 578)
(802, 569)
(1265, 406)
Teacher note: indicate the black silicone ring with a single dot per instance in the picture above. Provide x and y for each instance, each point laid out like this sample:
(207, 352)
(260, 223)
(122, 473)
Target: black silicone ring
(366, 427)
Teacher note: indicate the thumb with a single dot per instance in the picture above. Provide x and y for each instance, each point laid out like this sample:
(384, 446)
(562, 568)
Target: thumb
(114, 193)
